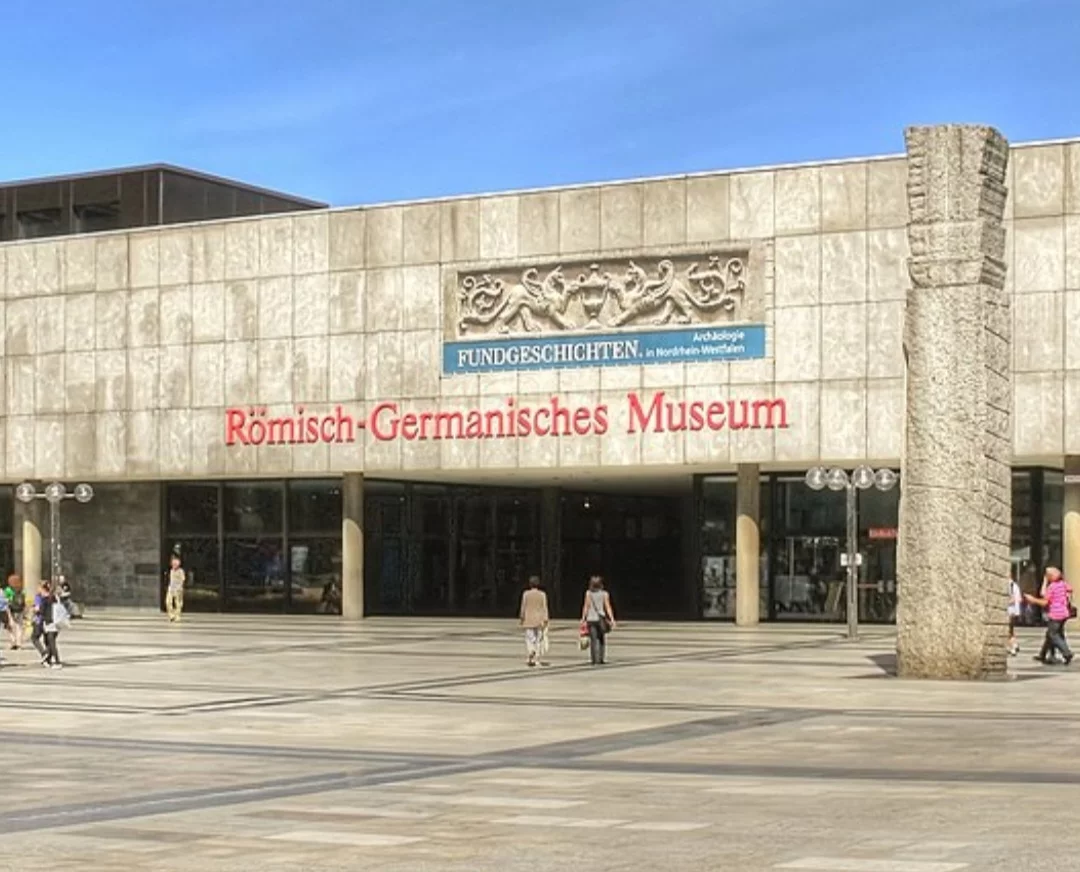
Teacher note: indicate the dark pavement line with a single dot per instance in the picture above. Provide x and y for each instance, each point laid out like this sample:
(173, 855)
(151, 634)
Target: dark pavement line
(166, 746)
(833, 773)
(555, 755)
(516, 674)
(174, 802)
(683, 731)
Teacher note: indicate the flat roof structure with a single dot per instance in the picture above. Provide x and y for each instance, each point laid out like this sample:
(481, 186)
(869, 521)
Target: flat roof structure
(130, 197)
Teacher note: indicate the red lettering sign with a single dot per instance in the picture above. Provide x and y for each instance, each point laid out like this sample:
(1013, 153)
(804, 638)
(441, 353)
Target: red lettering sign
(883, 532)
(387, 421)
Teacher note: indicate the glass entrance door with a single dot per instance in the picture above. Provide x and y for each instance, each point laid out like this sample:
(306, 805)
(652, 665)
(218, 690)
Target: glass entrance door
(809, 580)
(635, 543)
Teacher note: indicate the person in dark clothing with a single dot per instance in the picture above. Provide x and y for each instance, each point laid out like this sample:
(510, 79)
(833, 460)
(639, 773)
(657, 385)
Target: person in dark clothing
(37, 626)
(45, 627)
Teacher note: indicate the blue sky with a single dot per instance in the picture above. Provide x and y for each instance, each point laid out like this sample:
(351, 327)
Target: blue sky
(361, 101)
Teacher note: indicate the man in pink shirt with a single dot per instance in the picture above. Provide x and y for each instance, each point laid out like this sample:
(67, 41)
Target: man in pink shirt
(1056, 599)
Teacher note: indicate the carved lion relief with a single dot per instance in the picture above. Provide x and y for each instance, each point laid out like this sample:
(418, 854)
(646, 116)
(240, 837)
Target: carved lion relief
(706, 288)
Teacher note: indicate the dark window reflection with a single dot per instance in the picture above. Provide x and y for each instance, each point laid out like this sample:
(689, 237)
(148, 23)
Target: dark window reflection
(1024, 565)
(809, 535)
(315, 564)
(636, 542)
(384, 565)
(1053, 508)
(191, 508)
(315, 507)
(718, 547)
(7, 510)
(253, 508)
(879, 518)
(255, 575)
(199, 556)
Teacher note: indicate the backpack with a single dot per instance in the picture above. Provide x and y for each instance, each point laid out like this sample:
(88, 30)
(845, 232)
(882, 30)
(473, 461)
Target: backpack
(18, 601)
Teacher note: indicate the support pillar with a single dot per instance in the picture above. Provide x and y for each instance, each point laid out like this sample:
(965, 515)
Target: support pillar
(30, 547)
(956, 502)
(747, 546)
(1070, 522)
(352, 546)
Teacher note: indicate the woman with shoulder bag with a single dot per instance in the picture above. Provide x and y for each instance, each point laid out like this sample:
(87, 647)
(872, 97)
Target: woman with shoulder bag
(599, 617)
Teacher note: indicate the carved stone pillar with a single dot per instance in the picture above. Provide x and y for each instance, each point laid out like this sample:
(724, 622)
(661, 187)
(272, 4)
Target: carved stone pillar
(955, 509)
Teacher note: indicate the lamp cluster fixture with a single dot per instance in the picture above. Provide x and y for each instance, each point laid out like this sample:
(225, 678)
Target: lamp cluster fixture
(862, 477)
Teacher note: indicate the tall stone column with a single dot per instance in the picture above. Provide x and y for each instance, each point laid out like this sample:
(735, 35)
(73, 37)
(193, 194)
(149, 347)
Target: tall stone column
(955, 507)
(1070, 522)
(29, 517)
(747, 546)
(352, 546)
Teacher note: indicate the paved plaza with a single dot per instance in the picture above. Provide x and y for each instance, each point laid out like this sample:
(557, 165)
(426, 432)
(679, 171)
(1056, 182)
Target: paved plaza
(307, 744)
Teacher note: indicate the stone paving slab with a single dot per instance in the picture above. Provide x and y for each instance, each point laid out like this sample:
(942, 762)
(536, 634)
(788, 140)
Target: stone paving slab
(309, 744)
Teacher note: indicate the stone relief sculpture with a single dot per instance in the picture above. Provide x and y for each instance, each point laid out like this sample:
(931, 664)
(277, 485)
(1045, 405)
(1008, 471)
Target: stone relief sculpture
(611, 295)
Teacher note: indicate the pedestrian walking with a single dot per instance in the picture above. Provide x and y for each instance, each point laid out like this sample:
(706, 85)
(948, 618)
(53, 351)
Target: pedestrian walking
(1016, 601)
(13, 590)
(37, 613)
(49, 615)
(534, 618)
(174, 593)
(599, 618)
(6, 620)
(64, 596)
(1056, 598)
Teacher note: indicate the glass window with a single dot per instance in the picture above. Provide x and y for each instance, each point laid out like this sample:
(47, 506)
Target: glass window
(1024, 569)
(38, 223)
(430, 589)
(384, 563)
(515, 517)
(1053, 498)
(255, 574)
(183, 198)
(432, 513)
(316, 575)
(718, 509)
(474, 516)
(810, 530)
(7, 510)
(191, 508)
(879, 517)
(97, 217)
(315, 507)
(253, 508)
(199, 557)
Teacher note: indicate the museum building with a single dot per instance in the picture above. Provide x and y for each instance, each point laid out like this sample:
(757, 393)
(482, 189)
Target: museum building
(409, 408)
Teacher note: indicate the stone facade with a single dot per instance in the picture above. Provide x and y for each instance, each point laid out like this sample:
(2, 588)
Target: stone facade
(124, 349)
(955, 514)
(112, 546)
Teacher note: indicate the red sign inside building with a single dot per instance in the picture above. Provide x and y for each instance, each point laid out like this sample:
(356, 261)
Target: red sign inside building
(883, 532)
(388, 421)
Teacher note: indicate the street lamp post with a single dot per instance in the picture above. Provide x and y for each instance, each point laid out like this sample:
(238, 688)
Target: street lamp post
(862, 478)
(54, 494)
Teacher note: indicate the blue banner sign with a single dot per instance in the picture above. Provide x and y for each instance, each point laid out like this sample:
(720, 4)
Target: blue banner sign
(741, 342)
